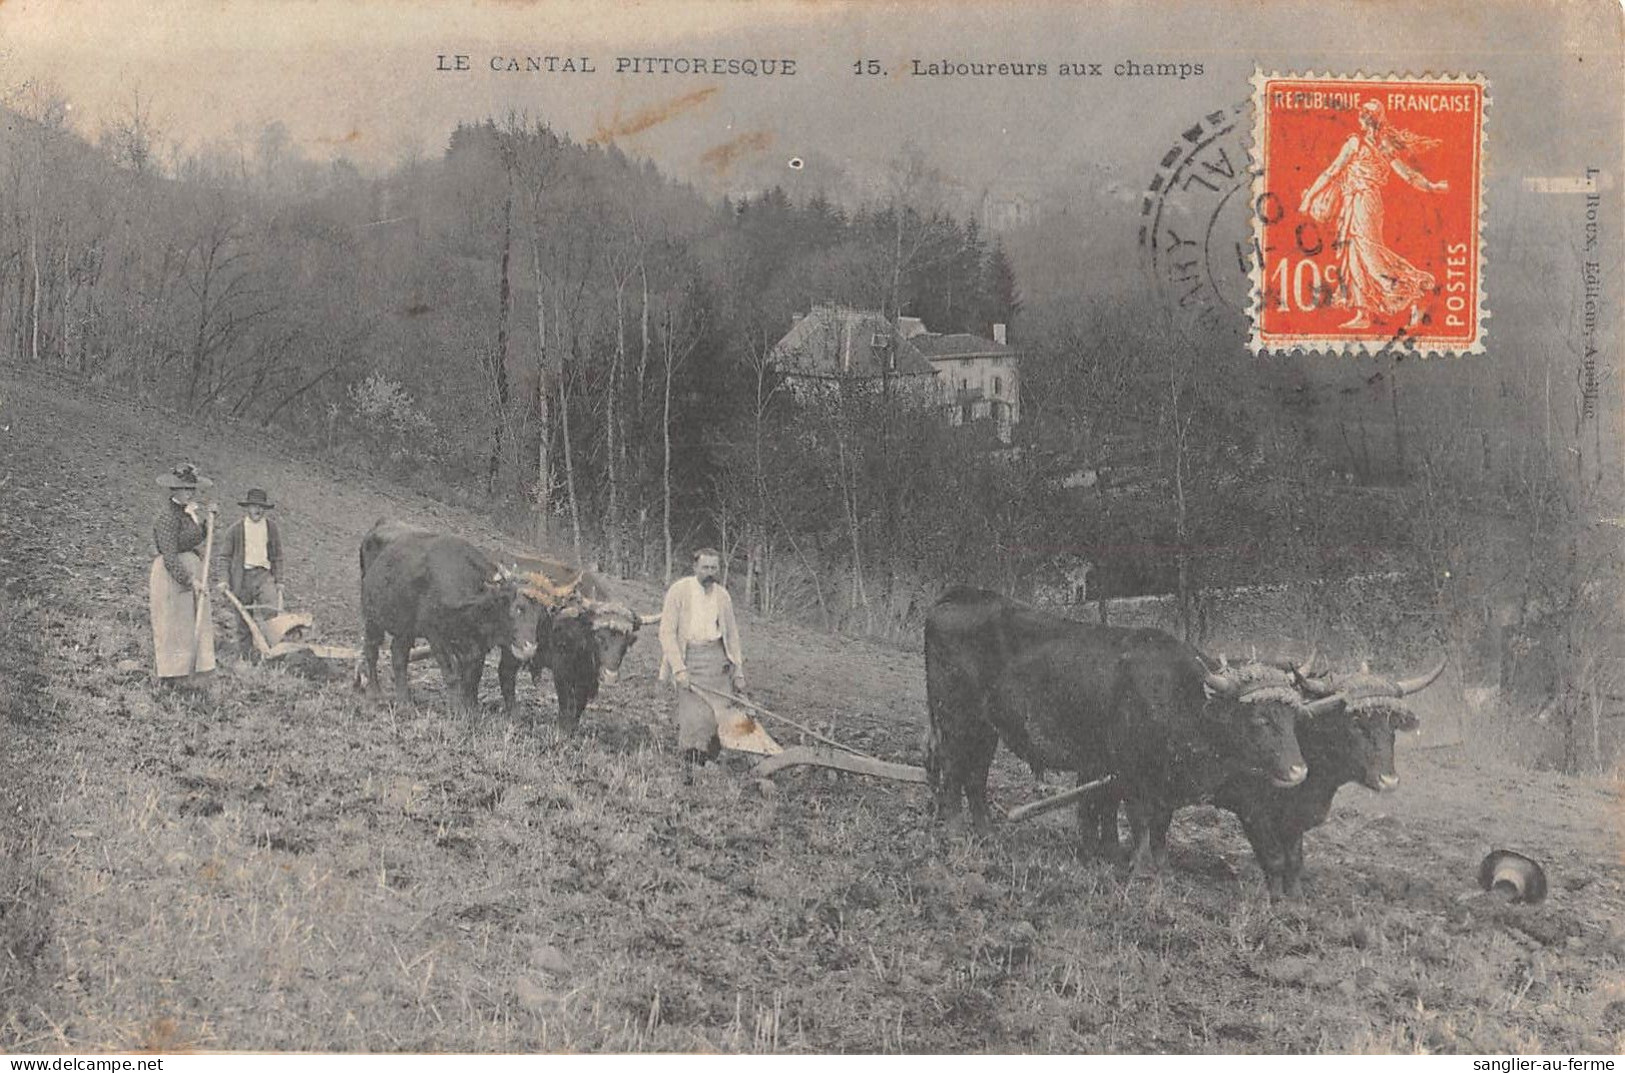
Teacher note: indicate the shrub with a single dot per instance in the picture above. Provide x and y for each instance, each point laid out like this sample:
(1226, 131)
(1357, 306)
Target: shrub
(389, 421)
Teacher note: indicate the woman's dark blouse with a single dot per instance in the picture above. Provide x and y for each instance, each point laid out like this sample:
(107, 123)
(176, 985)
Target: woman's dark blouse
(173, 533)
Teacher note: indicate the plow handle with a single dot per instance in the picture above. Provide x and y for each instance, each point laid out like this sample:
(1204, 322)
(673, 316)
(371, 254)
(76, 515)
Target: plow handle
(201, 595)
(253, 627)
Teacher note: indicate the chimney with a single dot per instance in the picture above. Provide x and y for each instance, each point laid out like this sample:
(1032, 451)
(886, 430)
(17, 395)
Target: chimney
(998, 334)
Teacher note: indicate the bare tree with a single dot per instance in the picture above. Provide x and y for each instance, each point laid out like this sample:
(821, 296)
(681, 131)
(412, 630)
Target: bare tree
(130, 137)
(499, 359)
(626, 259)
(536, 166)
(1178, 431)
(679, 330)
(46, 109)
(227, 300)
(766, 387)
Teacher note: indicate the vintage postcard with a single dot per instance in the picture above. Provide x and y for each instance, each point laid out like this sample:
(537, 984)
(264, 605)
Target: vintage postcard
(701, 526)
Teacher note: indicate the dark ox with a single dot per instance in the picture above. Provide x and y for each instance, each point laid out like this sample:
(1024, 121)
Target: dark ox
(1137, 704)
(1347, 736)
(582, 636)
(416, 583)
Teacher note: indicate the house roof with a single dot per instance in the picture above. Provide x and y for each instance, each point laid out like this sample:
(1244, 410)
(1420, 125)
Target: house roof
(833, 341)
(961, 345)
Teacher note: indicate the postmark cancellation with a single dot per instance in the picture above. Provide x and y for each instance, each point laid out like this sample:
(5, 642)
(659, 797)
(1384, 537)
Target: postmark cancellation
(1367, 214)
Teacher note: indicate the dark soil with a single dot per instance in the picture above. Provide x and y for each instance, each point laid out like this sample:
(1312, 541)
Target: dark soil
(276, 865)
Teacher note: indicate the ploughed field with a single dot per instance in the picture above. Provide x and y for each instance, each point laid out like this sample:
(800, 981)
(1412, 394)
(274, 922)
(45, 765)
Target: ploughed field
(288, 868)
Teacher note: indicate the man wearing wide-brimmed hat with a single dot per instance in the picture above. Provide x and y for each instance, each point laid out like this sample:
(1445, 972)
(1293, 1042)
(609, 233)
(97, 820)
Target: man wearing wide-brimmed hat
(182, 631)
(253, 553)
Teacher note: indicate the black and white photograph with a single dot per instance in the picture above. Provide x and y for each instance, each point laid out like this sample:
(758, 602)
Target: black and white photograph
(552, 527)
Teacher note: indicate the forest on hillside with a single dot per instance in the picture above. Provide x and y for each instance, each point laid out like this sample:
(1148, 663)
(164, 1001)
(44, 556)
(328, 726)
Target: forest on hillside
(576, 342)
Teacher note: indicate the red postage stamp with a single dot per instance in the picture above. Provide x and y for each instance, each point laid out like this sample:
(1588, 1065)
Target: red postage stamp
(1367, 204)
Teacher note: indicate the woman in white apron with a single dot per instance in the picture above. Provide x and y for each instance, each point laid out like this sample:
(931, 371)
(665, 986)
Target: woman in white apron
(182, 640)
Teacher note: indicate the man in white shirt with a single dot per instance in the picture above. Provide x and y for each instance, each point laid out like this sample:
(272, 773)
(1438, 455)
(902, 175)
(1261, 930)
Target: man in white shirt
(253, 554)
(699, 646)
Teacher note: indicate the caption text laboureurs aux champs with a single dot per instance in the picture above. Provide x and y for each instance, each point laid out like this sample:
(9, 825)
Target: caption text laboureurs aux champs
(780, 66)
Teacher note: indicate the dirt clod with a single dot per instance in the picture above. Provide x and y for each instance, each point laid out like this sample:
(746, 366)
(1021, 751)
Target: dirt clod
(551, 959)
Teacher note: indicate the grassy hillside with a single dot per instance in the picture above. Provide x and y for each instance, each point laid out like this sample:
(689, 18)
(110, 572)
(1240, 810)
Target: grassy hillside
(287, 868)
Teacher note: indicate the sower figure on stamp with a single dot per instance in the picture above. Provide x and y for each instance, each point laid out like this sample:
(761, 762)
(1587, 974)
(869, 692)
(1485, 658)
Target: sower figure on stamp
(1372, 278)
(699, 645)
(253, 554)
(182, 629)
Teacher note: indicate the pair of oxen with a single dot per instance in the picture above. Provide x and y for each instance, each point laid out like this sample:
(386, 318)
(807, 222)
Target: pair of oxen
(1151, 714)
(416, 583)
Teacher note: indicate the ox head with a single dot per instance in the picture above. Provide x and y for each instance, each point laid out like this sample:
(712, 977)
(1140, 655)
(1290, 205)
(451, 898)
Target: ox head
(1260, 711)
(520, 613)
(1368, 739)
(1362, 712)
(614, 627)
(614, 631)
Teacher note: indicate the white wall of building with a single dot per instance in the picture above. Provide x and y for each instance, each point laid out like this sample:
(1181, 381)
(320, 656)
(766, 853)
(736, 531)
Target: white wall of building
(995, 377)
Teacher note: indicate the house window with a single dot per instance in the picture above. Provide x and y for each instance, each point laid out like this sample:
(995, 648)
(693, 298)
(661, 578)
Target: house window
(998, 385)
(964, 384)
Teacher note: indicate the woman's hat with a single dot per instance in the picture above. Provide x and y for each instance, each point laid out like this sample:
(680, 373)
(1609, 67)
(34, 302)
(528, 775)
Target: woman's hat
(256, 497)
(184, 475)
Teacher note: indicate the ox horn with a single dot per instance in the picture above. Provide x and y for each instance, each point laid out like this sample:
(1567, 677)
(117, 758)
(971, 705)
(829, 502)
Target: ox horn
(1406, 686)
(1326, 704)
(1220, 684)
(1300, 670)
(1317, 688)
(649, 620)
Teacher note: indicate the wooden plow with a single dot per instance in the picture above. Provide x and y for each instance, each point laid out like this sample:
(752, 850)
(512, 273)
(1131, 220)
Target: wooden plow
(291, 643)
(739, 731)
